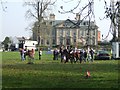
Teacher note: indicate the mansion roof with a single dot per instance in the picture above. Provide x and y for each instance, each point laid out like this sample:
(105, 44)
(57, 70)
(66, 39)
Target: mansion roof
(72, 23)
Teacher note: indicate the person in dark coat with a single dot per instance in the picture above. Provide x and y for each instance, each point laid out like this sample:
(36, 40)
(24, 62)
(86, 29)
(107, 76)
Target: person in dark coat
(66, 54)
(61, 54)
(55, 54)
(92, 54)
(81, 56)
(85, 56)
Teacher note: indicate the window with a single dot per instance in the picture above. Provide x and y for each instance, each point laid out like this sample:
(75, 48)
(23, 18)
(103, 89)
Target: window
(82, 34)
(53, 41)
(47, 42)
(87, 23)
(42, 41)
(61, 40)
(84, 23)
(68, 41)
(61, 32)
(74, 40)
(51, 23)
(74, 34)
(68, 33)
(93, 32)
(93, 40)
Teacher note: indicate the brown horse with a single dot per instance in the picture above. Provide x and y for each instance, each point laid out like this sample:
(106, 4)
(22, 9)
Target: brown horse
(30, 54)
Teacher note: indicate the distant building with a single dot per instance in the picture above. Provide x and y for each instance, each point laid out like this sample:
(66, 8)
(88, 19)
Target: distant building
(30, 44)
(22, 42)
(70, 32)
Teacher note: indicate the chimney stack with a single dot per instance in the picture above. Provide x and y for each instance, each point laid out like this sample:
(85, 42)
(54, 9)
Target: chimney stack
(77, 16)
(52, 17)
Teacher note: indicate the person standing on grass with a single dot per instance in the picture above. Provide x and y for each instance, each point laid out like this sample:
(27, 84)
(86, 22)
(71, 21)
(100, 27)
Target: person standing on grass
(55, 54)
(25, 52)
(66, 54)
(61, 54)
(20, 50)
(92, 54)
(22, 54)
(85, 56)
(88, 54)
(81, 55)
(33, 53)
(40, 53)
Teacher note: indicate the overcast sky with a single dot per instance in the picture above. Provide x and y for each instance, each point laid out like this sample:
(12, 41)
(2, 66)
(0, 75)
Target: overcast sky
(13, 21)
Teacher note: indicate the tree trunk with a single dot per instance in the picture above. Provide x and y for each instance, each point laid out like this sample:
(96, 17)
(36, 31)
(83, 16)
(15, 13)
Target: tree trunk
(119, 21)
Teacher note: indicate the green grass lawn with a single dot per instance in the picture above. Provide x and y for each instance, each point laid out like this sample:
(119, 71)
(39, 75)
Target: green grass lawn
(47, 73)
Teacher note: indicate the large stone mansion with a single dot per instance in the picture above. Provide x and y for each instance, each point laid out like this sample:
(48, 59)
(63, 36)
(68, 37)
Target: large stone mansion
(69, 32)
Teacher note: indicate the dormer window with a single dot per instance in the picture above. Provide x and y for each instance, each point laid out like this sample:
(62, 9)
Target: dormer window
(51, 23)
(84, 23)
(65, 24)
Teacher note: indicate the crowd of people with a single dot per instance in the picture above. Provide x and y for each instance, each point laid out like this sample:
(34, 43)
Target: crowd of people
(65, 54)
(73, 54)
(30, 53)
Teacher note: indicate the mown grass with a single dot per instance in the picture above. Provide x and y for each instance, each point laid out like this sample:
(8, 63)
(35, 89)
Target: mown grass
(47, 73)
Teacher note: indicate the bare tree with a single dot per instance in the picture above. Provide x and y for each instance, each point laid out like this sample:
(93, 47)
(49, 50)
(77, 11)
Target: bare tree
(118, 20)
(2, 5)
(45, 29)
(89, 15)
(38, 9)
(112, 12)
(113, 15)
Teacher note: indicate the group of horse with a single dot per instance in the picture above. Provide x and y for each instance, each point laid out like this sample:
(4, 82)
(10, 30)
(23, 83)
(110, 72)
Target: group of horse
(28, 53)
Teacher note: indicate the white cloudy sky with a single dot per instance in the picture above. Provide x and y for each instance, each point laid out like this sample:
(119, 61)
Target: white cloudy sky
(13, 22)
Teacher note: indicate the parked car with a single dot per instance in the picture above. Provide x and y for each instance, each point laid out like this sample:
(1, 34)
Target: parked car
(102, 55)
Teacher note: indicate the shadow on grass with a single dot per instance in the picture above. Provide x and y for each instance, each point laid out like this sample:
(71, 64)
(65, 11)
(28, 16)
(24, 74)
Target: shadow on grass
(58, 75)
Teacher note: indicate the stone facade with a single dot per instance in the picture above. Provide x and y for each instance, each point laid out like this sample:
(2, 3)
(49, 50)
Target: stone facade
(68, 32)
